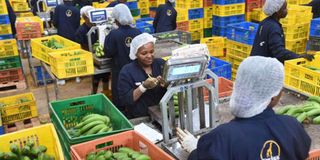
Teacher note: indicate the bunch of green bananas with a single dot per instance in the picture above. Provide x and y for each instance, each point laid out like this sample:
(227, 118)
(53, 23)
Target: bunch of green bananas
(52, 43)
(91, 124)
(124, 153)
(98, 49)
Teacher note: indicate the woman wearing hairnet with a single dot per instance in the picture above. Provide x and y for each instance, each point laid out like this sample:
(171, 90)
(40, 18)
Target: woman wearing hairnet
(117, 45)
(140, 84)
(82, 39)
(114, 3)
(166, 17)
(256, 132)
(270, 40)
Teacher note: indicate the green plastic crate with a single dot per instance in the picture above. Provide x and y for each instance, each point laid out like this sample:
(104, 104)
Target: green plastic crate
(207, 32)
(135, 12)
(65, 114)
(10, 62)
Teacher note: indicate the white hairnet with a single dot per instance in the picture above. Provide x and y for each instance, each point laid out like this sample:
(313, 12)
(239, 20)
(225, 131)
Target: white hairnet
(138, 42)
(258, 80)
(122, 14)
(272, 6)
(85, 10)
(172, 1)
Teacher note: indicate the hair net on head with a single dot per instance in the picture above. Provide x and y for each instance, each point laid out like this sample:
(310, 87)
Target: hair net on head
(258, 80)
(172, 1)
(85, 10)
(272, 6)
(122, 14)
(138, 42)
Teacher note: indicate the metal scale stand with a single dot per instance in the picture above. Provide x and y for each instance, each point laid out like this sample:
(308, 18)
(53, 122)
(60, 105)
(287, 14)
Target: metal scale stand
(45, 15)
(186, 71)
(103, 25)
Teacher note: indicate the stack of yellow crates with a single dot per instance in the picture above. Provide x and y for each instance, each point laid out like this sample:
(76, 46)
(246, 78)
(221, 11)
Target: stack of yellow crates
(143, 5)
(190, 17)
(207, 18)
(296, 27)
(297, 2)
(20, 6)
(153, 5)
(251, 5)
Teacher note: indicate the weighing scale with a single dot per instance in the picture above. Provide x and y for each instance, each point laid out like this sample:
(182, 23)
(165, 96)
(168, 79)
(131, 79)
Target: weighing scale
(104, 23)
(186, 73)
(45, 15)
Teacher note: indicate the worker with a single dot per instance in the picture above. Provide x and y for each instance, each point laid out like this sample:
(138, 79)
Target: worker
(270, 39)
(82, 39)
(256, 132)
(12, 17)
(114, 3)
(315, 4)
(66, 19)
(166, 17)
(117, 45)
(140, 84)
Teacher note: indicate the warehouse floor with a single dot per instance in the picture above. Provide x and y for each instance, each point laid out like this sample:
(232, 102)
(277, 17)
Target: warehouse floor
(72, 89)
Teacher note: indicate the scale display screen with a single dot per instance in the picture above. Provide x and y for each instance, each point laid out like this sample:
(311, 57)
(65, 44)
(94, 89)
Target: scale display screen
(183, 71)
(51, 3)
(98, 16)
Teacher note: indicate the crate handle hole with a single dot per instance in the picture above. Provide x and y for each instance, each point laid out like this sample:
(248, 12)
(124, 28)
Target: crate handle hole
(77, 103)
(103, 145)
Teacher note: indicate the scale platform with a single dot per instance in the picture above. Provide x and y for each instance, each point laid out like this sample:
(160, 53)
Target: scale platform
(102, 63)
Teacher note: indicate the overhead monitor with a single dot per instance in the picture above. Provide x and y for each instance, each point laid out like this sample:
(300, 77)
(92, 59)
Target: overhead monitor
(98, 16)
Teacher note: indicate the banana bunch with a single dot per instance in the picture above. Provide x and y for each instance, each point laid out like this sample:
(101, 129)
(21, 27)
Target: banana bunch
(91, 124)
(98, 49)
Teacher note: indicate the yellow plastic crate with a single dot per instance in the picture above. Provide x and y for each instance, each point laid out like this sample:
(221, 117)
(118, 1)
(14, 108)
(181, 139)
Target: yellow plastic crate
(156, 3)
(297, 2)
(136, 17)
(41, 51)
(228, 10)
(25, 14)
(8, 48)
(302, 79)
(143, 4)
(182, 14)
(298, 46)
(71, 63)
(20, 6)
(43, 135)
(144, 11)
(100, 5)
(196, 34)
(189, 4)
(207, 22)
(215, 45)
(195, 24)
(296, 31)
(32, 19)
(234, 73)
(238, 49)
(257, 15)
(5, 29)
(15, 109)
(234, 60)
(208, 11)
(297, 14)
(3, 7)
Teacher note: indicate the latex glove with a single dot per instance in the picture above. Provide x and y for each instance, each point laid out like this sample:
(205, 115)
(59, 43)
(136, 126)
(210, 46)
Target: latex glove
(187, 140)
(306, 56)
(150, 83)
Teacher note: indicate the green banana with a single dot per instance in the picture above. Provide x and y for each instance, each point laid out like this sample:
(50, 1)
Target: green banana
(314, 98)
(88, 116)
(104, 129)
(314, 112)
(89, 126)
(96, 118)
(95, 129)
(302, 117)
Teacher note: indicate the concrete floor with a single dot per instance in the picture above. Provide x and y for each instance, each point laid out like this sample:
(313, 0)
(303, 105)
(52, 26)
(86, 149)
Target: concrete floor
(72, 89)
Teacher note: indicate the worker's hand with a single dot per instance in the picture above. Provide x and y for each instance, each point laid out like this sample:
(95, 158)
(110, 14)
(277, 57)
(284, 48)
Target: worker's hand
(187, 140)
(150, 83)
(162, 82)
(306, 56)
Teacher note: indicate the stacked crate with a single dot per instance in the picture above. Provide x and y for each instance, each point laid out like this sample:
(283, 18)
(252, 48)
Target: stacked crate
(251, 5)
(256, 15)
(216, 46)
(29, 27)
(314, 39)
(5, 26)
(207, 18)
(11, 73)
(296, 27)
(298, 2)
(20, 6)
(190, 17)
(143, 5)
(239, 43)
(145, 25)
(135, 11)
(226, 12)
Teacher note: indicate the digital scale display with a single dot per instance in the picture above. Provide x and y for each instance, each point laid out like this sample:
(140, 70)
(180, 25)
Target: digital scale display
(51, 3)
(183, 71)
(98, 16)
